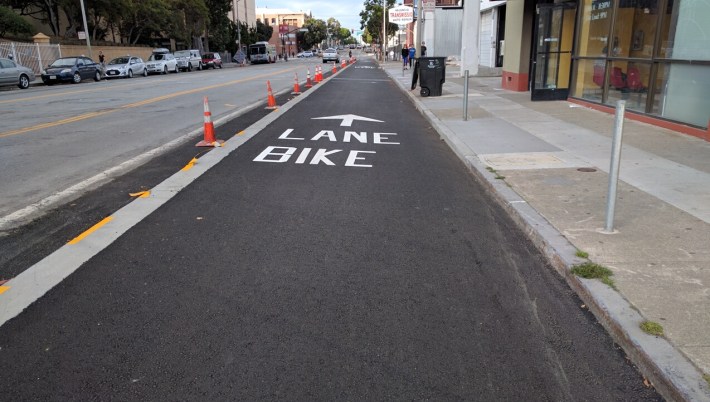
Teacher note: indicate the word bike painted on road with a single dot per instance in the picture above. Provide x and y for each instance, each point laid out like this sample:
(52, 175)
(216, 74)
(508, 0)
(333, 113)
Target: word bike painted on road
(353, 158)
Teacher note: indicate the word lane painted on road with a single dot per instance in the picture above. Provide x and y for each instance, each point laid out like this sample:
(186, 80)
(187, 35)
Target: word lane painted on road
(325, 156)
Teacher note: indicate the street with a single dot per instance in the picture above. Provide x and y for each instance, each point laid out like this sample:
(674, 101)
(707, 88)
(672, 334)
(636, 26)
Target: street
(336, 250)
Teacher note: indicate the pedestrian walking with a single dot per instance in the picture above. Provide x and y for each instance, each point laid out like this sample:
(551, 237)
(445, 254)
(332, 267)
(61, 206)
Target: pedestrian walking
(102, 58)
(412, 54)
(405, 56)
(391, 54)
(423, 49)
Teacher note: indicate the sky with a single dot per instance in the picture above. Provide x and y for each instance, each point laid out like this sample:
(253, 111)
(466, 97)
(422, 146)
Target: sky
(345, 11)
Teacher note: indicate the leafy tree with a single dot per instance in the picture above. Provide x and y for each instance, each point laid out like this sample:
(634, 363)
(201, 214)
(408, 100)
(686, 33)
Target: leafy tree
(189, 20)
(317, 32)
(262, 32)
(12, 23)
(371, 19)
(220, 31)
(144, 19)
(45, 11)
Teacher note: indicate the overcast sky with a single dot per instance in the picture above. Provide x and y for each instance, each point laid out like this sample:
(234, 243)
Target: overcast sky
(345, 11)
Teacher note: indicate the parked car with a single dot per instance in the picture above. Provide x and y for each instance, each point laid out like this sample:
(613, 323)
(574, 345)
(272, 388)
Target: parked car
(125, 66)
(211, 60)
(73, 69)
(12, 73)
(188, 60)
(331, 54)
(305, 54)
(161, 61)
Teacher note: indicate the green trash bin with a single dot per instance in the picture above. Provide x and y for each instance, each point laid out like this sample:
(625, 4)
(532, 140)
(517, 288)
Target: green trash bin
(432, 74)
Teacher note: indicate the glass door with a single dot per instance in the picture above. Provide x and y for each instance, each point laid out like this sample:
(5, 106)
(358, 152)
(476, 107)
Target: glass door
(552, 51)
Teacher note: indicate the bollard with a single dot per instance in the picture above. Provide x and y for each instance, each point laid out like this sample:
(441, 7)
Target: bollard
(465, 96)
(614, 165)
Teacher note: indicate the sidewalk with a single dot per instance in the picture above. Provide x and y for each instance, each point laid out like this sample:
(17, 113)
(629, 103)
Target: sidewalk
(554, 156)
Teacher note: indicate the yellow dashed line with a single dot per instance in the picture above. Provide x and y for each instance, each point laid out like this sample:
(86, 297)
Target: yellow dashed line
(134, 105)
(4, 289)
(189, 165)
(91, 230)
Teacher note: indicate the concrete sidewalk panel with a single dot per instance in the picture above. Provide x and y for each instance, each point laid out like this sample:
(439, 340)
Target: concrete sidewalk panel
(494, 136)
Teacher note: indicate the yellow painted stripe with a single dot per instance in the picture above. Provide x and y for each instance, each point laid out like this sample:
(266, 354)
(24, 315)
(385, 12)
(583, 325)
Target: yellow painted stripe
(140, 194)
(189, 165)
(241, 132)
(4, 289)
(91, 230)
(135, 104)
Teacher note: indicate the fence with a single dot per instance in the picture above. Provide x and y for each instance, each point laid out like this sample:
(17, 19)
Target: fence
(31, 55)
(38, 55)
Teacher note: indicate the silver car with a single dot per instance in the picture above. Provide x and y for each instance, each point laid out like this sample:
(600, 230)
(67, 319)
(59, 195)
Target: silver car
(331, 55)
(126, 66)
(162, 61)
(189, 60)
(12, 73)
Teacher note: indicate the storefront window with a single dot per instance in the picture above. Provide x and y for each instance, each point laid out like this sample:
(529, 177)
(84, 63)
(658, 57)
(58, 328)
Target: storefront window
(594, 30)
(629, 81)
(686, 32)
(635, 28)
(681, 93)
(590, 80)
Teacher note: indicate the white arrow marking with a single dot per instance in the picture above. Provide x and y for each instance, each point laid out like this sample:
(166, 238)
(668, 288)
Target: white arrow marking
(347, 119)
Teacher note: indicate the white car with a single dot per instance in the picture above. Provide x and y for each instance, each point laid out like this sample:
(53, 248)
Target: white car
(305, 54)
(125, 66)
(161, 62)
(331, 55)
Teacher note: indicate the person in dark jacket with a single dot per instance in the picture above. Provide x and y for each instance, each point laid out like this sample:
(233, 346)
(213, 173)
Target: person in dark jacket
(405, 56)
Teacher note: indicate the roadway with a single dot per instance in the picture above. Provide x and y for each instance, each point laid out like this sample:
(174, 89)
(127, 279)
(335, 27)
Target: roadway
(55, 137)
(340, 251)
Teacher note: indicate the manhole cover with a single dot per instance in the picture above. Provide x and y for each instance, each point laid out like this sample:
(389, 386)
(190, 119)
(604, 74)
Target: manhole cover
(587, 170)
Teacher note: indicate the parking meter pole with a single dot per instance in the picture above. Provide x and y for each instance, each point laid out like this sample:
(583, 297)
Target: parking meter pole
(465, 95)
(614, 165)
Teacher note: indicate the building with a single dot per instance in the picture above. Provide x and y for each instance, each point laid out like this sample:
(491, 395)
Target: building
(654, 54)
(244, 11)
(285, 23)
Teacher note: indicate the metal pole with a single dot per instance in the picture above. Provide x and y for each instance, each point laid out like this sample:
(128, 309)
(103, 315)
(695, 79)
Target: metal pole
(614, 165)
(465, 96)
(384, 30)
(86, 29)
(420, 19)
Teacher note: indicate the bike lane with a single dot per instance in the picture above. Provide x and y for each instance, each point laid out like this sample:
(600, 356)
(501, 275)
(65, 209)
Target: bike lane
(343, 252)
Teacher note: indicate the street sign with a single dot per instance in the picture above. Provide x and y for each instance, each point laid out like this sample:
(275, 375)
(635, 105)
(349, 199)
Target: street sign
(283, 29)
(401, 15)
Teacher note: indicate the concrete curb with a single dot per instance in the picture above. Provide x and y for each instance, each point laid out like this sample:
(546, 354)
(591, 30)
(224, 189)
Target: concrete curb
(673, 376)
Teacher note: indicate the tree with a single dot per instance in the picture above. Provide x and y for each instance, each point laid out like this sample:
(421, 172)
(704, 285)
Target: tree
(11, 23)
(371, 19)
(317, 32)
(220, 31)
(45, 11)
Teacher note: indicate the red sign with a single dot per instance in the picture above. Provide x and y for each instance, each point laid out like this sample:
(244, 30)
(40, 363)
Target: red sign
(283, 29)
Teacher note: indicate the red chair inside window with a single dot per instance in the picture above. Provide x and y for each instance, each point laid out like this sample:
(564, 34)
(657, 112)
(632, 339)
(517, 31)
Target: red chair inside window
(598, 76)
(633, 80)
(617, 78)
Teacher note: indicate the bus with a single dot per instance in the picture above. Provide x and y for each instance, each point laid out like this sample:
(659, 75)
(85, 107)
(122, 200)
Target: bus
(262, 52)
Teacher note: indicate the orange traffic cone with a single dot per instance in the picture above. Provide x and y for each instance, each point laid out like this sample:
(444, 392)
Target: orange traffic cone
(335, 68)
(318, 76)
(209, 140)
(296, 88)
(308, 78)
(271, 104)
(343, 64)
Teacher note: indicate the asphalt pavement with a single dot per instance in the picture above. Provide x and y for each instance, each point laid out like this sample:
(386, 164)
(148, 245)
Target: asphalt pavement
(336, 249)
(547, 164)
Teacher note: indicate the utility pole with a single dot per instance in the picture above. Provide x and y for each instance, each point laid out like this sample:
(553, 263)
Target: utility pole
(86, 29)
(420, 17)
